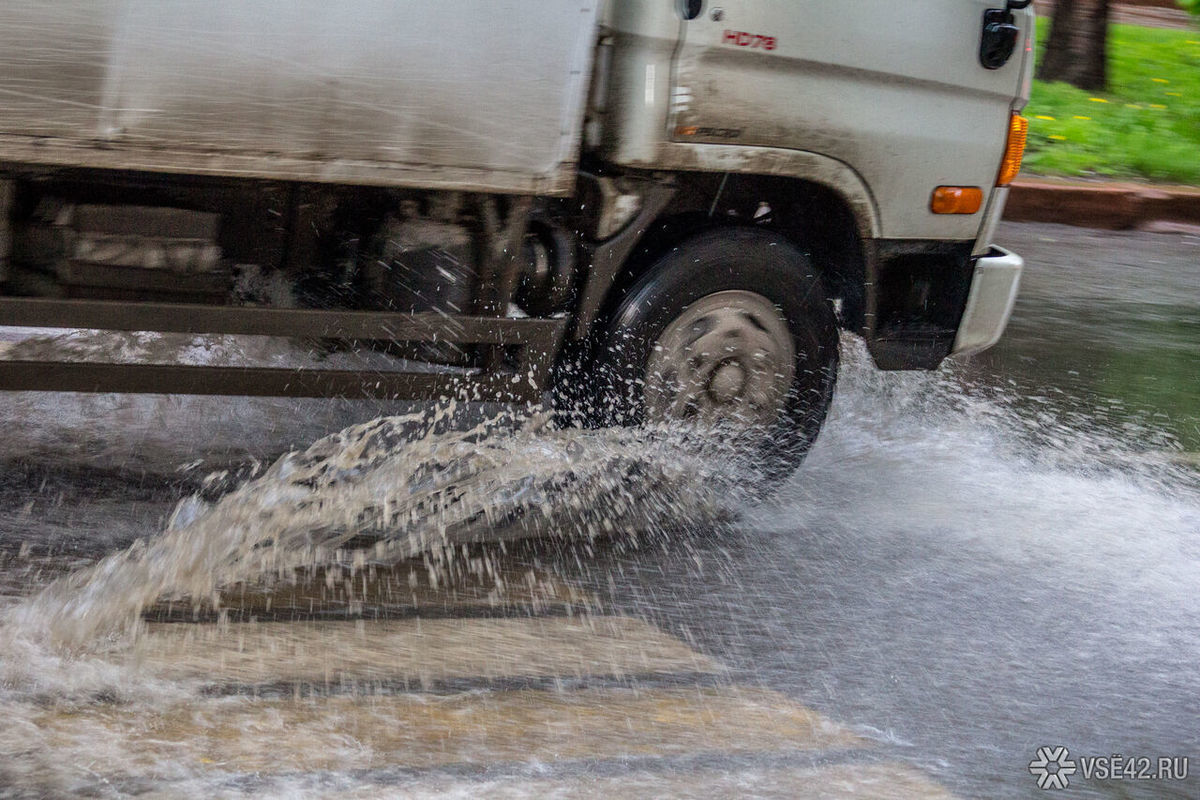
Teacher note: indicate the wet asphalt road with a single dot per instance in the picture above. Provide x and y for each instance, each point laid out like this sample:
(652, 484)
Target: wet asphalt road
(973, 564)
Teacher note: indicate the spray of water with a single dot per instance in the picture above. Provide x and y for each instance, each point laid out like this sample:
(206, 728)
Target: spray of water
(390, 489)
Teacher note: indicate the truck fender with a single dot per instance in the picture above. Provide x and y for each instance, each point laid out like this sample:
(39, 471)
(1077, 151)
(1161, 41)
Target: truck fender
(814, 167)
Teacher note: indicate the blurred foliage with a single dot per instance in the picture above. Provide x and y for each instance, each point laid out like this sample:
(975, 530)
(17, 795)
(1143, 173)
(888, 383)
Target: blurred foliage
(1190, 5)
(1146, 126)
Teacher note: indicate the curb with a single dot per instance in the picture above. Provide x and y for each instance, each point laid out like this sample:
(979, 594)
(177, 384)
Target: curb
(1112, 206)
(1150, 4)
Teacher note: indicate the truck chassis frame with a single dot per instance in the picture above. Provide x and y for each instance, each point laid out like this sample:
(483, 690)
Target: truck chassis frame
(521, 352)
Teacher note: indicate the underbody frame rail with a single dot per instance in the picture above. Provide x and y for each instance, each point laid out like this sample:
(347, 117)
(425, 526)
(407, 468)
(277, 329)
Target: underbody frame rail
(524, 350)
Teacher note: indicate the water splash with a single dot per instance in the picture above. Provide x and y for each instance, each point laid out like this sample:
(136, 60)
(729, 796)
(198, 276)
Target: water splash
(390, 489)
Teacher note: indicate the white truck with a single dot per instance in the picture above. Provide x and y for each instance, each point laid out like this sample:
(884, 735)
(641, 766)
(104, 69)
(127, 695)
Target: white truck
(684, 199)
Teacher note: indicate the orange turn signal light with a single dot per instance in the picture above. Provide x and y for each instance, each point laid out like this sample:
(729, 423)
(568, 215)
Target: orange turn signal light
(956, 200)
(1014, 149)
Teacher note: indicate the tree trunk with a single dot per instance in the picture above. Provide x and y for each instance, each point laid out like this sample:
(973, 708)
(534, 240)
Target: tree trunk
(1077, 47)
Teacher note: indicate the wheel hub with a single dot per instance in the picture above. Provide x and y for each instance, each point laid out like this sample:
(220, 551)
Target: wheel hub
(729, 355)
(727, 383)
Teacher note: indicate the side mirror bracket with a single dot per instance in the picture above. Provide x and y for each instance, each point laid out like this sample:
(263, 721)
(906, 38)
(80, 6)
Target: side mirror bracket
(1000, 34)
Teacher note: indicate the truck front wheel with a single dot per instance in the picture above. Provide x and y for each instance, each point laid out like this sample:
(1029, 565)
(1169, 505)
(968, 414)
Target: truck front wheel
(731, 327)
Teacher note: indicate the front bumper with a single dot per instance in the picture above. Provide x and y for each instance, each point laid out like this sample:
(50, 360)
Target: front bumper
(994, 285)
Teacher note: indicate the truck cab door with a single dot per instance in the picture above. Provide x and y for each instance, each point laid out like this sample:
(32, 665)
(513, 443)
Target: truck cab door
(895, 90)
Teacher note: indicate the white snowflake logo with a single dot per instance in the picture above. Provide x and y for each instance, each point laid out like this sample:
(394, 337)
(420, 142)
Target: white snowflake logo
(1052, 767)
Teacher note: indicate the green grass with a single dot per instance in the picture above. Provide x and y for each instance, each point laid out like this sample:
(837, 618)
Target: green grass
(1146, 126)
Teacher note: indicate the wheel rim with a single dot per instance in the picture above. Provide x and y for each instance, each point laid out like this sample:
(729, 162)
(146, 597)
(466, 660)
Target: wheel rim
(728, 356)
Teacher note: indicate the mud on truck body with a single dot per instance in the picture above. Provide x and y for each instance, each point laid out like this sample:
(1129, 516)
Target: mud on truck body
(684, 199)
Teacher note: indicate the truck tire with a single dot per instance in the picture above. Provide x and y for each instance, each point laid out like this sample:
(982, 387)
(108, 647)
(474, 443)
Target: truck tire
(732, 324)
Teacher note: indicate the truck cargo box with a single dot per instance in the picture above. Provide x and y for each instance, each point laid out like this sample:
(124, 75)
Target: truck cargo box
(468, 94)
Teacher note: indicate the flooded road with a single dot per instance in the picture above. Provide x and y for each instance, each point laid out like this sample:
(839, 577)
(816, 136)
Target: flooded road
(973, 564)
